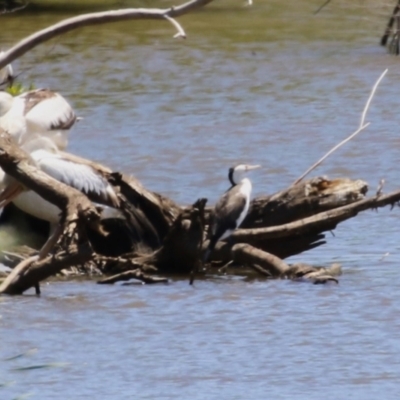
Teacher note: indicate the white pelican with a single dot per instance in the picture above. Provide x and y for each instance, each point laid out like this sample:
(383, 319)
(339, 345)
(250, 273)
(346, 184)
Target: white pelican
(37, 112)
(232, 207)
(6, 73)
(83, 176)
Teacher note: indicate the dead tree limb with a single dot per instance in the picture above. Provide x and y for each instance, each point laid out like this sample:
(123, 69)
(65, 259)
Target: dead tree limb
(320, 222)
(31, 271)
(316, 275)
(246, 254)
(97, 18)
(361, 127)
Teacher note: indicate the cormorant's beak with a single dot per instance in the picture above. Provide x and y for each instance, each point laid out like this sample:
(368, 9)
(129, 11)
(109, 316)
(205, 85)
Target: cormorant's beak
(251, 167)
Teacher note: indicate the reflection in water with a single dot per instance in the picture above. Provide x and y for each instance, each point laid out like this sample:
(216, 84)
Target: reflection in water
(271, 85)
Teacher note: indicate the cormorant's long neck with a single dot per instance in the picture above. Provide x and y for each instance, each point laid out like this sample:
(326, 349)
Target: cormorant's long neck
(231, 179)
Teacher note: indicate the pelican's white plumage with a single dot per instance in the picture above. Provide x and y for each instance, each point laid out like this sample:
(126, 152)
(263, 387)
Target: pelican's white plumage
(37, 112)
(83, 176)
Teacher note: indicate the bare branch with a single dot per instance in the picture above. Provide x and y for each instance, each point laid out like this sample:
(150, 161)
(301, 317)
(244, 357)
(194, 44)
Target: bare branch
(329, 153)
(371, 96)
(322, 6)
(325, 219)
(181, 33)
(97, 18)
(362, 126)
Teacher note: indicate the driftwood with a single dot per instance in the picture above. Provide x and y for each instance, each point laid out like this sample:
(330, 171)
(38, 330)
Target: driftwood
(163, 237)
(277, 226)
(271, 266)
(32, 270)
(283, 224)
(78, 213)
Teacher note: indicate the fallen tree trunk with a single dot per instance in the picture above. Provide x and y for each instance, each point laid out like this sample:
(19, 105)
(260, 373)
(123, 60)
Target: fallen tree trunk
(277, 226)
(32, 270)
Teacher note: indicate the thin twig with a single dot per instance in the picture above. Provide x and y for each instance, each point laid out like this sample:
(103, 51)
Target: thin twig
(362, 126)
(97, 18)
(371, 96)
(181, 33)
(329, 153)
(321, 7)
(18, 8)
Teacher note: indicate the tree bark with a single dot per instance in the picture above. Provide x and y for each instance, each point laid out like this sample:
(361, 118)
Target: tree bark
(32, 271)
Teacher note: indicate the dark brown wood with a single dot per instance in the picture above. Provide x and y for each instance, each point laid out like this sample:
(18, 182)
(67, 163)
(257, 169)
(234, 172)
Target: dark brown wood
(320, 222)
(150, 214)
(181, 248)
(246, 254)
(277, 226)
(32, 271)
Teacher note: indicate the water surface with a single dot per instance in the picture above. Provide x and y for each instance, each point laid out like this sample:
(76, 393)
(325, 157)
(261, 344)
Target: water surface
(273, 85)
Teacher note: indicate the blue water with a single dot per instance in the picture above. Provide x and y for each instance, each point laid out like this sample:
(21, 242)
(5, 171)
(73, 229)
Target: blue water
(279, 88)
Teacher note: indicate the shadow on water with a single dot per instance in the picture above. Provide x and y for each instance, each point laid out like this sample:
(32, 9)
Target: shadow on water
(16, 365)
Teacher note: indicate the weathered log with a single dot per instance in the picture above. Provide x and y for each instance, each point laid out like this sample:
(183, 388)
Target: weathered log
(303, 200)
(32, 271)
(320, 222)
(316, 275)
(245, 254)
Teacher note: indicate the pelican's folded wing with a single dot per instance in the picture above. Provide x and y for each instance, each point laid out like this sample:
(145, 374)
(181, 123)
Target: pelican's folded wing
(46, 110)
(81, 177)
